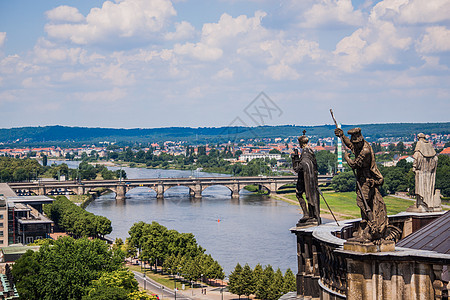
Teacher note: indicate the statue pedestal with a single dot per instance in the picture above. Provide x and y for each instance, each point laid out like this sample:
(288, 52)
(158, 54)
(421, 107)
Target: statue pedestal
(414, 208)
(307, 223)
(369, 247)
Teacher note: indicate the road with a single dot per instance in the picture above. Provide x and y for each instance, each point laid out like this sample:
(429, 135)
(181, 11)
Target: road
(161, 291)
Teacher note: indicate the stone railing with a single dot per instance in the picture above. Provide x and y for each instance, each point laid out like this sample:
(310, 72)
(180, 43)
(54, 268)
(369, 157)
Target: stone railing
(326, 271)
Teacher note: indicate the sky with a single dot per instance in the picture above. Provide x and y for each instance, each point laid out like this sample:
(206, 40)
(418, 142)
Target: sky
(211, 63)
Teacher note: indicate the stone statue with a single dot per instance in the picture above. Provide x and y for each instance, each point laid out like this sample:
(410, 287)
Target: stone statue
(373, 210)
(424, 165)
(305, 166)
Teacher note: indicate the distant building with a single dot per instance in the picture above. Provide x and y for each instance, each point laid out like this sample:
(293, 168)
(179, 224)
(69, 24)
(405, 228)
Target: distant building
(3, 222)
(26, 223)
(446, 151)
(250, 156)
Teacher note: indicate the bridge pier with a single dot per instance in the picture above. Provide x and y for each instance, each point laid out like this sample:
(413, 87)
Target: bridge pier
(80, 190)
(120, 192)
(235, 191)
(197, 190)
(273, 187)
(160, 191)
(41, 191)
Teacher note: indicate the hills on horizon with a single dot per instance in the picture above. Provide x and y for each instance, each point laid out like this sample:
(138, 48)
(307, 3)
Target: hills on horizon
(66, 135)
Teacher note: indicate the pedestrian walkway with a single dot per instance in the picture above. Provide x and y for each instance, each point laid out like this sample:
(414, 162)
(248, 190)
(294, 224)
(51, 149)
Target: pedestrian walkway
(163, 292)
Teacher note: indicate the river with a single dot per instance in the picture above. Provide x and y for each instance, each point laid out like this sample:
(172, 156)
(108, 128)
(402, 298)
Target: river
(252, 229)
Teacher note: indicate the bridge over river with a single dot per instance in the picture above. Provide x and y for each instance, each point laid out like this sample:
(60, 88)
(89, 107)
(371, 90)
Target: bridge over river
(159, 185)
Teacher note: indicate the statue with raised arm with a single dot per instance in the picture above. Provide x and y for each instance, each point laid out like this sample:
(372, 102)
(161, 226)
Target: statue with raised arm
(305, 166)
(424, 165)
(368, 179)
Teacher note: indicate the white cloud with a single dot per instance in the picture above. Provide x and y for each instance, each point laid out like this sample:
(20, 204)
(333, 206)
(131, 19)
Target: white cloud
(183, 31)
(227, 33)
(65, 13)
(282, 72)
(2, 38)
(199, 51)
(332, 12)
(224, 74)
(229, 29)
(124, 19)
(102, 96)
(436, 39)
(380, 41)
(429, 11)
(412, 11)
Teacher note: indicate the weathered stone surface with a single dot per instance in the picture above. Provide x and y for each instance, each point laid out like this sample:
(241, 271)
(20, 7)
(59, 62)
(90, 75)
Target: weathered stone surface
(369, 247)
(424, 165)
(305, 166)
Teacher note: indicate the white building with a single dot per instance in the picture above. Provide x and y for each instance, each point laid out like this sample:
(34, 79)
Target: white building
(250, 156)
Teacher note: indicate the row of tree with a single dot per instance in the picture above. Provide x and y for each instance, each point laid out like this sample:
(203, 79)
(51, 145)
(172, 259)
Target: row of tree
(177, 253)
(15, 169)
(75, 220)
(75, 269)
(263, 283)
(399, 178)
(27, 169)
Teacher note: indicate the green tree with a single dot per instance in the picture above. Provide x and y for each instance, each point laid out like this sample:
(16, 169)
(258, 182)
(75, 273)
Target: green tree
(274, 151)
(290, 283)
(107, 293)
(257, 277)
(123, 279)
(236, 284)
(344, 182)
(248, 280)
(276, 290)
(63, 270)
(326, 162)
(443, 175)
(264, 288)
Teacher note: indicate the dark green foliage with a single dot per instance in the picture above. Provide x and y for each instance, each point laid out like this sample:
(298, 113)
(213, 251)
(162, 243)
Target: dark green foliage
(107, 293)
(236, 283)
(176, 252)
(290, 283)
(66, 135)
(248, 280)
(14, 169)
(326, 162)
(443, 175)
(344, 182)
(76, 220)
(276, 290)
(63, 270)
(264, 288)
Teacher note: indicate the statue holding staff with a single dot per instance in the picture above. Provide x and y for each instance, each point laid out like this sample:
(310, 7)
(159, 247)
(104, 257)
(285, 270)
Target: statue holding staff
(305, 165)
(374, 221)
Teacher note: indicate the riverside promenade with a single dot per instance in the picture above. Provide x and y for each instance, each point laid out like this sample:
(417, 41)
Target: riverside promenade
(164, 292)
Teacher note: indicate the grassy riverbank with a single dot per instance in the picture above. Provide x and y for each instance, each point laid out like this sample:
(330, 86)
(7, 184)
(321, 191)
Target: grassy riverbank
(344, 206)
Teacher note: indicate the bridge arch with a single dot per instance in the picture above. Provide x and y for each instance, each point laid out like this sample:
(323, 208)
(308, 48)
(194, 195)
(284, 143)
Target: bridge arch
(60, 191)
(152, 190)
(218, 185)
(265, 187)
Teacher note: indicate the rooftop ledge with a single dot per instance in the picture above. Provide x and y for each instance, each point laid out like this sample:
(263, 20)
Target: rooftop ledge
(327, 233)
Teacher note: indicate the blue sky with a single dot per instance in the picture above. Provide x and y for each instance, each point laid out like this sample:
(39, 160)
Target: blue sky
(159, 63)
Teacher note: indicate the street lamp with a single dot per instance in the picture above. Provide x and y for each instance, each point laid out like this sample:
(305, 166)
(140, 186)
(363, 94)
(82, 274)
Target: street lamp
(144, 281)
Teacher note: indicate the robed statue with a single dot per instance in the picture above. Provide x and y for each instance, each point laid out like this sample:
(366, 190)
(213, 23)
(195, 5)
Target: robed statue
(424, 166)
(374, 221)
(305, 165)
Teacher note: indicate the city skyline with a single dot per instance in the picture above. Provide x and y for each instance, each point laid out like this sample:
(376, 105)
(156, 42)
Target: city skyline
(161, 63)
